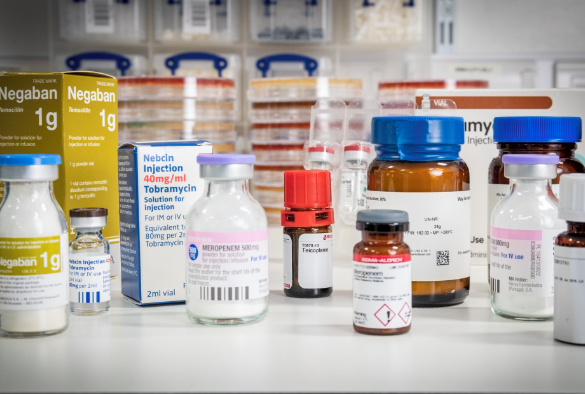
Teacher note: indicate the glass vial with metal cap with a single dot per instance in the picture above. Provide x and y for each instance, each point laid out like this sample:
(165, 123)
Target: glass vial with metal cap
(382, 289)
(523, 230)
(89, 263)
(227, 245)
(307, 234)
(569, 317)
(34, 263)
(544, 135)
(432, 183)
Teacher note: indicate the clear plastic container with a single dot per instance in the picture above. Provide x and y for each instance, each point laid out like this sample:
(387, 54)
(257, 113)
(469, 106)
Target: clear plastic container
(272, 175)
(384, 21)
(304, 89)
(269, 197)
(196, 20)
(171, 87)
(291, 20)
(171, 110)
(278, 153)
(104, 62)
(281, 112)
(216, 133)
(279, 133)
(102, 20)
(405, 90)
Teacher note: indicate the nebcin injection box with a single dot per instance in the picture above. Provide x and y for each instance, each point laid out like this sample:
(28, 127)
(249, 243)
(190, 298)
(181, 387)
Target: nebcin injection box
(159, 182)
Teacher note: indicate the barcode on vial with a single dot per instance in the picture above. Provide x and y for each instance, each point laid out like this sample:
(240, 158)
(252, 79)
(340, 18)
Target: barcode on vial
(224, 293)
(101, 12)
(495, 285)
(443, 257)
(88, 297)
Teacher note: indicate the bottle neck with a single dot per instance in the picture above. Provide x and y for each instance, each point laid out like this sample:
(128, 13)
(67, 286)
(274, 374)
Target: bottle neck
(434, 152)
(388, 238)
(534, 186)
(28, 191)
(387, 152)
(576, 227)
(227, 186)
(565, 150)
(89, 231)
(320, 165)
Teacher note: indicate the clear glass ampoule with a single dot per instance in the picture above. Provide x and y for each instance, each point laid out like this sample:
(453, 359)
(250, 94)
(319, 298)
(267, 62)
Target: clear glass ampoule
(89, 263)
(523, 230)
(354, 182)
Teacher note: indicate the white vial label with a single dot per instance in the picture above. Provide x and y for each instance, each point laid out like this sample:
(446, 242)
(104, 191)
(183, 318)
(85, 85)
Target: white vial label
(440, 231)
(227, 266)
(196, 17)
(569, 319)
(521, 262)
(315, 261)
(288, 271)
(89, 278)
(34, 272)
(382, 291)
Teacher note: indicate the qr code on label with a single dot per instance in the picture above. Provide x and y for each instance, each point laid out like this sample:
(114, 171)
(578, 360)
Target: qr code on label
(443, 257)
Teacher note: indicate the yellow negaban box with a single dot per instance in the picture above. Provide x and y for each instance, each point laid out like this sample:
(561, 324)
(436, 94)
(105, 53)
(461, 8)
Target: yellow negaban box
(74, 115)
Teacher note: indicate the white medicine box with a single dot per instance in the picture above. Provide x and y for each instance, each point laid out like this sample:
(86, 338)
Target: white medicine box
(196, 20)
(102, 20)
(291, 20)
(159, 183)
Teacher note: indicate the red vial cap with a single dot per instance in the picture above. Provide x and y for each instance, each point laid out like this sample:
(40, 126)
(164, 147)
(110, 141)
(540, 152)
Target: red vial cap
(307, 189)
(325, 149)
(356, 147)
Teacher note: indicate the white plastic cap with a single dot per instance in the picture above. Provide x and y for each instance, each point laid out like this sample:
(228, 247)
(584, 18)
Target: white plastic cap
(572, 198)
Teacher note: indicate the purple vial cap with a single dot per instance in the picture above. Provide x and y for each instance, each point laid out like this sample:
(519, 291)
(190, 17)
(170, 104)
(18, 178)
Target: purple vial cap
(221, 159)
(530, 159)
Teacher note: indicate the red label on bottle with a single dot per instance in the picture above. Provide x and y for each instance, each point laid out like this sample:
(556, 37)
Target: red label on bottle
(381, 259)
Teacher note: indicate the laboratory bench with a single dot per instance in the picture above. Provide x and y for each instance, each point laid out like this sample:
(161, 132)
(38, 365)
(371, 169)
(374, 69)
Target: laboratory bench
(303, 345)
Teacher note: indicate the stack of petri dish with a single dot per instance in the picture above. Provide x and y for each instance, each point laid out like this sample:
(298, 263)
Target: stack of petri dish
(405, 90)
(280, 117)
(162, 108)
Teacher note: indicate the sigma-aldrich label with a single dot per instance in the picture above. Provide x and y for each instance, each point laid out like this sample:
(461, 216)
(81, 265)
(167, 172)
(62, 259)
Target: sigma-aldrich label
(158, 185)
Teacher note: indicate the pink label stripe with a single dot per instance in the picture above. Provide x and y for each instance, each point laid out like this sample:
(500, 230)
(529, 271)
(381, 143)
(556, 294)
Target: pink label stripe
(523, 235)
(222, 238)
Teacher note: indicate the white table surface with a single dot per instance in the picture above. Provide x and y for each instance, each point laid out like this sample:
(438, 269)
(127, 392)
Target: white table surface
(302, 345)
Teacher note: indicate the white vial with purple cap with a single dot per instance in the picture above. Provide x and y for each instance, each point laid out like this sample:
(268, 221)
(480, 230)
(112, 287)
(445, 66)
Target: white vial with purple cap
(227, 246)
(523, 230)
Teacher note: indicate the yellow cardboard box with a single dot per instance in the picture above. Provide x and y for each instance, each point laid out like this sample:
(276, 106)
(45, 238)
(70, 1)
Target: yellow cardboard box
(74, 115)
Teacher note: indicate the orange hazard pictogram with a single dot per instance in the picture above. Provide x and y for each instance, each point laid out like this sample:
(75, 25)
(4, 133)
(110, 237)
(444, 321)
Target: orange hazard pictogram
(405, 313)
(385, 315)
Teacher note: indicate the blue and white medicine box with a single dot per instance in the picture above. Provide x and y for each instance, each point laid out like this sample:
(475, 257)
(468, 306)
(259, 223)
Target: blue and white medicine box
(159, 183)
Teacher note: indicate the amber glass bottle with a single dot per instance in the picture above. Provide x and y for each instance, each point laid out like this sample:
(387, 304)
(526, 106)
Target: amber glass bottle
(569, 320)
(307, 234)
(432, 184)
(532, 135)
(382, 290)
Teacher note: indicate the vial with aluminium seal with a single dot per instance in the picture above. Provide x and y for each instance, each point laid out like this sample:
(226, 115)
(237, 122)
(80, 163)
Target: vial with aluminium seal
(34, 266)
(522, 235)
(227, 246)
(89, 263)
